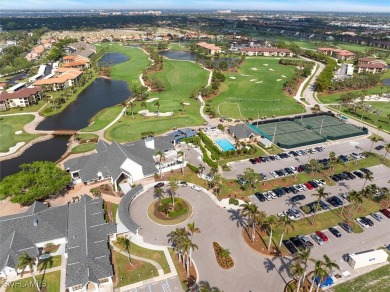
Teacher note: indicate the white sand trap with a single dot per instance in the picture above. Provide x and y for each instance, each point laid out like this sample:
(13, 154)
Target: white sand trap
(152, 99)
(254, 69)
(265, 64)
(284, 76)
(244, 75)
(278, 79)
(142, 112)
(271, 69)
(13, 149)
(231, 77)
(18, 132)
(186, 103)
(259, 82)
(253, 80)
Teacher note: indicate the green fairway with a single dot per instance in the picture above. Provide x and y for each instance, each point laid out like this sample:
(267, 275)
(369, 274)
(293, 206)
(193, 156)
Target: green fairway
(49, 281)
(83, 148)
(180, 79)
(376, 280)
(353, 47)
(11, 124)
(131, 69)
(335, 98)
(103, 118)
(256, 91)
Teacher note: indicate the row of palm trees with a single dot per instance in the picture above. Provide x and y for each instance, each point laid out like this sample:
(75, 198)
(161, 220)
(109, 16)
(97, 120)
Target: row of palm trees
(182, 242)
(322, 268)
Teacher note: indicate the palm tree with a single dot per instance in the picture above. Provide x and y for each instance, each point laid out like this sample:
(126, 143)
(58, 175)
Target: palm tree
(124, 243)
(205, 286)
(132, 105)
(157, 104)
(24, 261)
(367, 177)
(320, 272)
(192, 229)
(173, 186)
(387, 148)
(201, 168)
(250, 211)
(310, 152)
(144, 105)
(303, 257)
(176, 237)
(271, 223)
(187, 246)
(213, 171)
(159, 193)
(287, 224)
(224, 252)
(162, 157)
(321, 194)
(165, 207)
(296, 271)
(374, 139)
(182, 155)
(355, 198)
(330, 265)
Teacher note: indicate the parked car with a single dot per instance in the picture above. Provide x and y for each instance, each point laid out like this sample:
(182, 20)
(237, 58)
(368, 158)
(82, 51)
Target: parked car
(323, 205)
(70, 186)
(290, 246)
(366, 171)
(298, 242)
(335, 201)
(272, 194)
(317, 239)
(306, 240)
(196, 188)
(260, 197)
(241, 180)
(355, 155)
(263, 176)
(334, 231)
(159, 185)
(274, 174)
(358, 174)
(362, 223)
(377, 216)
(346, 227)
(313, 183)
(386, 212)
(309, 186)
(322, 235)
(379, 147)
(367, 221)
(297, 198)
(252, 160)
(182, 184)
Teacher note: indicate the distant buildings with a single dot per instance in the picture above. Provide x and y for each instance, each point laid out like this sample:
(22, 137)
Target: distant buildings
(371, 65)
(210, 49)
(78, 62)
(63, 78)
(275, 52)
(337, 53)
(82, 49)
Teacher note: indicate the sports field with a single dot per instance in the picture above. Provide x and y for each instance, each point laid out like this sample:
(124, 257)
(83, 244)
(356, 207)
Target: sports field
(256, 91)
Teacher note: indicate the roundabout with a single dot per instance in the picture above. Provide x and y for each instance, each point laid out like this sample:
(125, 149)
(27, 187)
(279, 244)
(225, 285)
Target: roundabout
(164, 213)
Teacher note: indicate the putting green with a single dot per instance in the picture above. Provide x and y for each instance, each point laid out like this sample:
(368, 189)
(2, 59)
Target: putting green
(256, 91)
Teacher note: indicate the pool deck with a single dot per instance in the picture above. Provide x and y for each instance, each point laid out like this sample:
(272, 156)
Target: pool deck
(220, 135)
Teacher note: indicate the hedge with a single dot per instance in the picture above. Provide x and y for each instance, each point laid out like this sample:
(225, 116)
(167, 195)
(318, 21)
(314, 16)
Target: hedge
(210, 145)
(207, 159)
(192, 167)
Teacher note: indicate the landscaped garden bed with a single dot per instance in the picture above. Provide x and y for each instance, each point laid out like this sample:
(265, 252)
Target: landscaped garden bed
(223, 257)
(164, 212)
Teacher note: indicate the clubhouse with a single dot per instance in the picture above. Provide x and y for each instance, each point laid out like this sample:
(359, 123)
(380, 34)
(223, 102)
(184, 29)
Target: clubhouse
(210, 49)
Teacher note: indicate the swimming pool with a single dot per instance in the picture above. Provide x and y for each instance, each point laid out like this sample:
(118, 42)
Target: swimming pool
(225, 144)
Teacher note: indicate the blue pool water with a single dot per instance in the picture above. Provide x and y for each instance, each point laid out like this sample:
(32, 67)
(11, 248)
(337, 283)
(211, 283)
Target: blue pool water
(225, 144)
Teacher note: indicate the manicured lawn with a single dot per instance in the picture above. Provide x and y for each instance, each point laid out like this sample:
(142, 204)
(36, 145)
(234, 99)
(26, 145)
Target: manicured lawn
(370, 118)
(178, 47)
(29, 109)
(49, 263)
(87, 136)
(259, 152)
(131, 69)
(180, 79)
(103, 118)
(127, 273)
(241, 97)
(335, 98)
(83, 148)
(51, 282)
(353, 47)
(114, 209)
(377, 280)
(9, 125)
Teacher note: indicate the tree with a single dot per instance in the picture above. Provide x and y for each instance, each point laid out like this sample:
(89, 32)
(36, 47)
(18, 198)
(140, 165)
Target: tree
(251, 178)
(35, 181)
(271, 223)
(330, 265)
(159, 193)
(387, 148)
(187, 246)
(367, 177)
(303, 257)
(224, 252)
(355, 198)
(201, 168)
(250, 211)
(157, 104)
(124, 243)
(173, 186)
(162, 157)
(223, 65)
(296, 270)
(321, 194)
(132, 105)
(374, 139)
(310, 152)
(287, 224)
(176, 237)
(24, 261)
(319, 272)
(205, 286)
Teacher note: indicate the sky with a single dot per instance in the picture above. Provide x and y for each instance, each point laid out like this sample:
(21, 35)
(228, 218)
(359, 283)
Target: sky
(303, 5)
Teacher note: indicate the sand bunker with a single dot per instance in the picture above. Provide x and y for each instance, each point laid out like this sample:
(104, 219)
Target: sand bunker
(284, 76)
(271, 69)
(244, 75)
(254, 69)
(186, 103)
(253, 80)
(278, 79)
(265, 64)
(232, 77)
(259, 82)
(152, 99)
(18, 132)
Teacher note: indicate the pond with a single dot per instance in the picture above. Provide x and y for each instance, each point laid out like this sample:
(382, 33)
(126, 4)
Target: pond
(386, 81)
(189, 56)
(112, 59)
(100, 94)
(50, 150)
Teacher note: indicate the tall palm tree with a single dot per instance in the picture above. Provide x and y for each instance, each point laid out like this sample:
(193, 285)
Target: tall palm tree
(356, 198)
(320, 272)
(176, 237)
(303, 257)
(182, 155)
(271, 223)
(330, 265)
(132, 105)
(24, 261)
(205, 286)
(162, 157)
(159, 193)
(321, 194)
(201, 168)
(173, 186)
(287, 225)
(250, 211)
(310, 152)
(187, 246)
(213, 170)
(374, 139)
(296, 271)
(387, 148)
(144, 105)
(367, 177)
(193, 229)
(157, 104)
(124, 243)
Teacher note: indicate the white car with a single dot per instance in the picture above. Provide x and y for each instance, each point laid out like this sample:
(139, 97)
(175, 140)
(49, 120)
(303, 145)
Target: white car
(277, 157)
(274, 174)
(317, 239)
(356, 155)
(293, 169)
(303, 187)
(313, 150)
(267, 196)
(272, 194)
(298, 188)
(361, 223)
(196, 188)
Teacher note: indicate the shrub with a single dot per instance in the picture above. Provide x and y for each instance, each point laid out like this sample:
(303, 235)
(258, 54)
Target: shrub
(209, 144)
(233, 201)
(192, 167)
(179, 205)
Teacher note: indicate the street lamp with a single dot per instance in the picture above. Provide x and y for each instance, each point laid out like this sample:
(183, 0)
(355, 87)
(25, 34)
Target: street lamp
(151, 272)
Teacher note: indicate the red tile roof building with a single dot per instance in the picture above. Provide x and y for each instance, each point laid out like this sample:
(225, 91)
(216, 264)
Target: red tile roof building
(211, 49)
(371, 65)
(337, 53)
(20, 98)
(267, 52)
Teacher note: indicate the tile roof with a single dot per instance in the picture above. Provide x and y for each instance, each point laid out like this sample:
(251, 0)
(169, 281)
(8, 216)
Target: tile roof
(21, 93)
(208, 46)
(70, 74)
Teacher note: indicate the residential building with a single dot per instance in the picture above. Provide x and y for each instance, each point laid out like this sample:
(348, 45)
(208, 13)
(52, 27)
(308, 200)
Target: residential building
(337, 53)
(21, 98)
(371, 65)
(239, 45)
(274, 52)
(210, 49)
(125, 163)
(81, 49)
(78, 230)
(68, 78)
(181, 134)
(78, 62)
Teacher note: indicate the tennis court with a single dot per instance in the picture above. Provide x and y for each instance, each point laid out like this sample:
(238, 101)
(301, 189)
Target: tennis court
(302, 131)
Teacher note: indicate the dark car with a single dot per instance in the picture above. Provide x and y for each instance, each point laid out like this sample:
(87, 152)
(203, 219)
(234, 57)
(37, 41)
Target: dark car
(182, 184)
(300, 244)
(260, 197)
(358, 174)
(366, 171)
(386, 212)
(335, 177)
(335, 201)
(297, 198)
(288, 170)
(258, 159)
(272, 158)
(323, 205)
(253, 161)
(351, 176)
(159, 185)
(335, 232)
(380, 147)
(286, 190)
(344, 176)
(290, 246)
(277, 192)
(367, 221)
(346, 227)
(314, 184)
(70, 186)
(293, 190)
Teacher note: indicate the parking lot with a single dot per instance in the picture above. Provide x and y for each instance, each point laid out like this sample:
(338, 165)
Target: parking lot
(340, 148)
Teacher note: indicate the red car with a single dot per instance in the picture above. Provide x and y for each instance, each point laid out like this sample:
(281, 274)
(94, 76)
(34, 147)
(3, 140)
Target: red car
(322, 235)
(386, 212)
(258, 159)
(309, 186)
